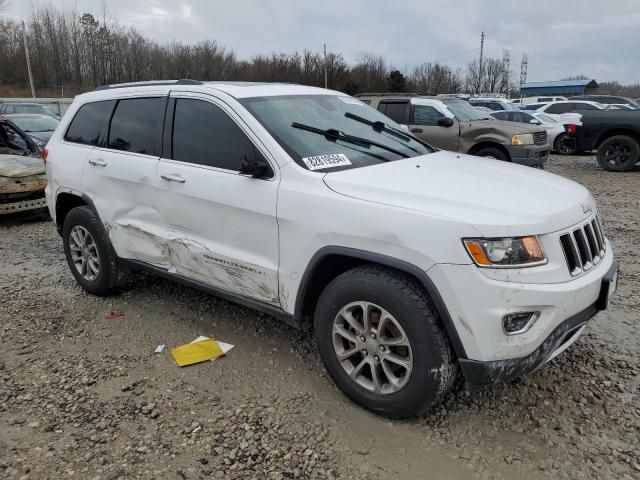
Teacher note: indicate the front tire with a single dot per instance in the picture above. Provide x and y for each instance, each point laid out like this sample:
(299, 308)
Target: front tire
(380, 341)
(618, 153)
(90, 256)
(492, 152)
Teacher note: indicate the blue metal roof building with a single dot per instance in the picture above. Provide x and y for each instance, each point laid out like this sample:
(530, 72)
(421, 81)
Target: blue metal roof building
(566, 88)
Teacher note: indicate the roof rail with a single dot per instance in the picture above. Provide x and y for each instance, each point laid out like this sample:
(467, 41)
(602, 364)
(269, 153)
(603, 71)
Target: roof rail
(153, 83)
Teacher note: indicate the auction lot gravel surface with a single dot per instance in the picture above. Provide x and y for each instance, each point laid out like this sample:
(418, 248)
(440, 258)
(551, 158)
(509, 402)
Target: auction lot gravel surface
(83, 396)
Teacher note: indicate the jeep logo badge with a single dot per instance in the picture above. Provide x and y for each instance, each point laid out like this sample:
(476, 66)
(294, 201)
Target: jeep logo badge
(586, 208)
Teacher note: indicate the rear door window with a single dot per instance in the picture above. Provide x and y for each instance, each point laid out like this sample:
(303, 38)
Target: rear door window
(136, 125)
(396, 111)
(89, 122)
(204, 134)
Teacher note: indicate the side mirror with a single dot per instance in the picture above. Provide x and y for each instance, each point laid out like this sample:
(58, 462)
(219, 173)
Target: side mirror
(445, 122)
(534, 122)
(255, 166)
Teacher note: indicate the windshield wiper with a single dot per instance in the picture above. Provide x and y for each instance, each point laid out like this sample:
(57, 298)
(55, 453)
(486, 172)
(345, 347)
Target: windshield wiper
(379, 126)
(332, 133)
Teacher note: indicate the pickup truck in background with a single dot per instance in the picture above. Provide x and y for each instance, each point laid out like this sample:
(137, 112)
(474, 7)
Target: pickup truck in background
(615, 134)
(452, 124)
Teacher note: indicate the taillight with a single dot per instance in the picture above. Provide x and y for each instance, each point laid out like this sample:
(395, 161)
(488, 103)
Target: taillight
(571, 128)
(45, 154)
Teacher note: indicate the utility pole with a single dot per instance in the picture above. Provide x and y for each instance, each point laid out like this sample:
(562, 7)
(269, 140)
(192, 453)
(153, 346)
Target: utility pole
(26, 52)
(506, 64)
(326, 83)
(523, 68)
(480, 71)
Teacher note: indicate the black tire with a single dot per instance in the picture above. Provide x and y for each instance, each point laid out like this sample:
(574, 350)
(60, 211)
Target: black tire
(493, 152)
(433, 369)
(618, 153)
(112, 275)
(564, 145)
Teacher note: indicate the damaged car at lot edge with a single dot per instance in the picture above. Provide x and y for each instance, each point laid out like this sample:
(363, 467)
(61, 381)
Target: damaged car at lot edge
(22, 184)
(410, 264)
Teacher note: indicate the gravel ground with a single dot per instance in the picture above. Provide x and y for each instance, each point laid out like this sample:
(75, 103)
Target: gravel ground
(82, 396)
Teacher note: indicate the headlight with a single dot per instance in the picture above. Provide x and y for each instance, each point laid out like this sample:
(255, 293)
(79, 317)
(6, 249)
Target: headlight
(506, 252)
(522, 139)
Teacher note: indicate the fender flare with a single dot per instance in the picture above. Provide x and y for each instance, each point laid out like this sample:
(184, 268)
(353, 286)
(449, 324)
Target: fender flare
(391, 262)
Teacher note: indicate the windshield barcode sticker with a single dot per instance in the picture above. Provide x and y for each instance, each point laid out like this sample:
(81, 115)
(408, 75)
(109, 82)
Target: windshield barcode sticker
(326, 161)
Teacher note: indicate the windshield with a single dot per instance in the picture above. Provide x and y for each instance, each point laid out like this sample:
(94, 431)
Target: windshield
(36, 124)
(464, 111)
(283, 116)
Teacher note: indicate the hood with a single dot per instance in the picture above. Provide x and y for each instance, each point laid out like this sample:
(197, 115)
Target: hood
(497, 198)
(15, 166)
(518, 127)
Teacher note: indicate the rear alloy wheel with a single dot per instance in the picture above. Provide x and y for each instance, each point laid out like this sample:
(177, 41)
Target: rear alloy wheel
(380, 340)
(565, 145)
(619, 153)
(90, 256)
(84, 253)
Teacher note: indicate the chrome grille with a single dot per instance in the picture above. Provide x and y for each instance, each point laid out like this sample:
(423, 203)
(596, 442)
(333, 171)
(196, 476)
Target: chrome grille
(540, 138)
(584, 247)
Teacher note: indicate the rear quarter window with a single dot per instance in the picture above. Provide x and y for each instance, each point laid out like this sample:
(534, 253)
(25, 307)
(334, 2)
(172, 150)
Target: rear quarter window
(89, 122)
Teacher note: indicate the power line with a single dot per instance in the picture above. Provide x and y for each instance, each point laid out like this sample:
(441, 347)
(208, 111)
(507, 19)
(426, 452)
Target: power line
(457, 55)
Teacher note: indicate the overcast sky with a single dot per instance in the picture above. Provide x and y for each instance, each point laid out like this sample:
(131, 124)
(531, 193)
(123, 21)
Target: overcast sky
(597, 38)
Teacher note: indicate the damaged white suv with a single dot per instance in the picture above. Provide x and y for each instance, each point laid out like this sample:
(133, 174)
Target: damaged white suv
(410, 264)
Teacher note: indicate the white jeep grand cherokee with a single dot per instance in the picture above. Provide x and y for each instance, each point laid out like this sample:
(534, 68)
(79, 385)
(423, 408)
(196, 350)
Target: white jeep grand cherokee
(410, 264)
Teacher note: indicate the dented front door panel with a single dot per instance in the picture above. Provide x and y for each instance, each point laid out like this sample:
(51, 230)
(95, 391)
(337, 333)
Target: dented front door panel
(220, 228)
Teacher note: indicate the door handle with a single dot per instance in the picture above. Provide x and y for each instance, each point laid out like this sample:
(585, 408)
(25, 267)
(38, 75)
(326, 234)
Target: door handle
(97, 162)
(173, 177)
(416, 130)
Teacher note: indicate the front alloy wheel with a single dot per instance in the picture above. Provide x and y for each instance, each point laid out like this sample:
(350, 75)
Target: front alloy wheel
(380, 340)
(372, 347)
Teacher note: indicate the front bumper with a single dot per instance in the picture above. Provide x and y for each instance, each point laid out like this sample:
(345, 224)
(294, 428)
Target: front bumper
(477, 303)
(529, 155)
(478, 373)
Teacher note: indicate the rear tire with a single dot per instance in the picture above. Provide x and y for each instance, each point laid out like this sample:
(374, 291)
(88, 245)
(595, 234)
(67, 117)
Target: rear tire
(492, 152)
(618, 153)
(563, 145)
(403, 341)
(90, 256)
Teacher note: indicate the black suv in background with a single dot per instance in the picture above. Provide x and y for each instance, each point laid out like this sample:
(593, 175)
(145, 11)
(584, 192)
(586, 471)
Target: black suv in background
(615, 134)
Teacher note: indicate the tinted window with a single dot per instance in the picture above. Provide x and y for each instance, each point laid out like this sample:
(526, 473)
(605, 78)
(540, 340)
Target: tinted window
(583, 106)
(136, 125)
(206, 135)
(396, 111)
(425, 115)
(500, 115)
(559, 108)
(545, 99)
(88, 123)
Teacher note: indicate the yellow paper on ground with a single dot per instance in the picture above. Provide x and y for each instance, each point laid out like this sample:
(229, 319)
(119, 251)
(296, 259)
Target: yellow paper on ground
(196, 352)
